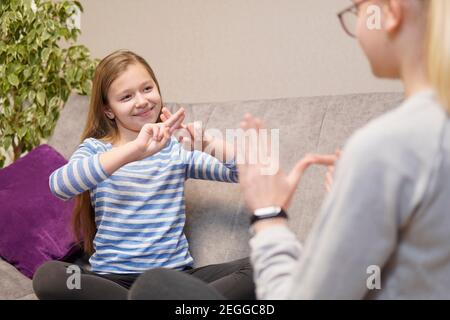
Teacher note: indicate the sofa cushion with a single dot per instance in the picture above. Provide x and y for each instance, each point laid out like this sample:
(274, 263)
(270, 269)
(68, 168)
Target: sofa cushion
(13, 284)
(34, 224)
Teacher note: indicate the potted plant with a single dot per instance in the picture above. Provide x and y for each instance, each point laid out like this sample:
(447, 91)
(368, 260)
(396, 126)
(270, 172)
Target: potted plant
(40, 65)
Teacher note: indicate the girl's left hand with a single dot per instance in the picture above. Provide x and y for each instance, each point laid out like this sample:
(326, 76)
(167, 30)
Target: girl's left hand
(191, 134)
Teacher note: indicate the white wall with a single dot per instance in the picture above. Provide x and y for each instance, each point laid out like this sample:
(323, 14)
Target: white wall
(219, 50)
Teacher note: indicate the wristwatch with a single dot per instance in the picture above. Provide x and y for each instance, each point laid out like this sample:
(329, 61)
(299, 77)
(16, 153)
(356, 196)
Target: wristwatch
(267, 213)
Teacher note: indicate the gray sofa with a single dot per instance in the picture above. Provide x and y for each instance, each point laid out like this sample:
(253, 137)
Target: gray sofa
(217, 218)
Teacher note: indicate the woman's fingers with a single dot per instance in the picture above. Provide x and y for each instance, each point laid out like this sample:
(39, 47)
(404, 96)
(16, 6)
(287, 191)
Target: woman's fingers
(251, 126)
(329, 178)
(259, 124)
(327, 187)
(293, 179)
(331, 170)
(252, 122)
(244, 152)
(296, 173)
(321, 159)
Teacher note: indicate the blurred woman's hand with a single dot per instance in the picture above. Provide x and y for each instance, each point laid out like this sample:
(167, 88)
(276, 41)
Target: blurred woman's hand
(329, 176)
(261, 189)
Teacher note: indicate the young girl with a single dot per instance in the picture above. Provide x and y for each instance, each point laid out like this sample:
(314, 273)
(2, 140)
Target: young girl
(383, 232)
(128, 179)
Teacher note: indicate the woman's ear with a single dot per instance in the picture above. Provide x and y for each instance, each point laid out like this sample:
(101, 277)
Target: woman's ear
(393, 15)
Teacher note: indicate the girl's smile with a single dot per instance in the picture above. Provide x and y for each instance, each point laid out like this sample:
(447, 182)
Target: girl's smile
(146, 112)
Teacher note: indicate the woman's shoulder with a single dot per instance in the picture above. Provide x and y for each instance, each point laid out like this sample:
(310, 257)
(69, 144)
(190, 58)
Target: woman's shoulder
(417, 122)
(408, 134)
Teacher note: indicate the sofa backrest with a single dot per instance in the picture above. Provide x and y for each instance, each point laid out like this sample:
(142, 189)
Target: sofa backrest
(217, 220)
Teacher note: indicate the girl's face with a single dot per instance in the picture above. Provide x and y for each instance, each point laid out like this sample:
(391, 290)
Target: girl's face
(375, 38)
(133, 100)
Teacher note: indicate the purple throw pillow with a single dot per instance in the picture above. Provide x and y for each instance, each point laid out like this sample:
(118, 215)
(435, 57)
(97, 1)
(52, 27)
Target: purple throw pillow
(34, 224)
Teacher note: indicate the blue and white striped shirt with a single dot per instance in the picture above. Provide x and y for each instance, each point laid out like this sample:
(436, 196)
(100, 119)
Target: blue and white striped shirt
(140, 208)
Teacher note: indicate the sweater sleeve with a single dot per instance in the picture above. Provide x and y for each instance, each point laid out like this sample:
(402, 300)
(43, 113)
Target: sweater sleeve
(81, 173)
(275, 255)
(200, 165)
(356, 229)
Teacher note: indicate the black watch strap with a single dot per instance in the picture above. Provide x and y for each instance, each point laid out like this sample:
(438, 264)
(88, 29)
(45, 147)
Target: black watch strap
(280, 214)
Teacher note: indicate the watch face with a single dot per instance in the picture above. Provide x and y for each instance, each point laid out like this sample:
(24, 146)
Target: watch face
(267, 212)
(264, 213)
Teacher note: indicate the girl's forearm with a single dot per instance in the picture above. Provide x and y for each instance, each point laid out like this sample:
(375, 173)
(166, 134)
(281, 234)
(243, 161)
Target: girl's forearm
(84, 172)
(219, 149)
(118, 157)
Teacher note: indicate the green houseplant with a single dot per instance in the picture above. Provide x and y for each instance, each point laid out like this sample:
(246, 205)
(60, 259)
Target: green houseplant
(40, 65)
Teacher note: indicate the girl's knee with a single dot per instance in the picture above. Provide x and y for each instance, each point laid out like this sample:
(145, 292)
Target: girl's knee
(168, 284)
(47, 278)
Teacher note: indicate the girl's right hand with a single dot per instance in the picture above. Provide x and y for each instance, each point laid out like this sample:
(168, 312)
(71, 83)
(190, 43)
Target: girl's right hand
(153, 137)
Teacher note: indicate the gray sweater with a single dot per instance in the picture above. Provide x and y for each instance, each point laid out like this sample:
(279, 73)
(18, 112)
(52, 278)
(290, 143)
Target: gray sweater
(389, 208)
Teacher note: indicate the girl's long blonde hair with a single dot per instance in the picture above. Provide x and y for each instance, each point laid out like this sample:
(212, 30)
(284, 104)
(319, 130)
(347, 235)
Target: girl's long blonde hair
(99, 126)
(439, 49)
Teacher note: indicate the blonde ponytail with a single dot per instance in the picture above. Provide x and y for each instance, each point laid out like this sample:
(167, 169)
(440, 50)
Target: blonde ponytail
(439, 49)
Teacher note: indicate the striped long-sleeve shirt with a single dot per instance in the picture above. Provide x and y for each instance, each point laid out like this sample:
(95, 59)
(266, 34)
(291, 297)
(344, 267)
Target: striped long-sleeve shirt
(140, 208)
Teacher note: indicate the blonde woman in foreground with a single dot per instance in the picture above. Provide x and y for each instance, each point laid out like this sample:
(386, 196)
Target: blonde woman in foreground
(383, 231)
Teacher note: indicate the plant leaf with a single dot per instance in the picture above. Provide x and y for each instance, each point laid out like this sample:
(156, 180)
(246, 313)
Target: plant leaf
(41, 97)
(31, 95)
(13, 79)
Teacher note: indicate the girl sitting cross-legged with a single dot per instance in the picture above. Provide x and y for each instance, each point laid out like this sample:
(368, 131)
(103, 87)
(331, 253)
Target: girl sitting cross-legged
(128, 178)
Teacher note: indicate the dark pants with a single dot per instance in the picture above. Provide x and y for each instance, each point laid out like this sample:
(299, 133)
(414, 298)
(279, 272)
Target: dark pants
(232, 280)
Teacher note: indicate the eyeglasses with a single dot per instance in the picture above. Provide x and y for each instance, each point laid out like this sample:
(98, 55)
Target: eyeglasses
(349, 18)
